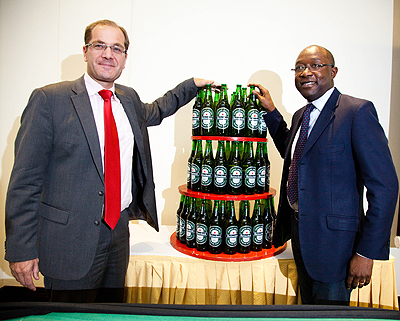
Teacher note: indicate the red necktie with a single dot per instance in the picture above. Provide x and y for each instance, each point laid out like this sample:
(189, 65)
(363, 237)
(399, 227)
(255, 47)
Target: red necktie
(112, 164)
(293, 179)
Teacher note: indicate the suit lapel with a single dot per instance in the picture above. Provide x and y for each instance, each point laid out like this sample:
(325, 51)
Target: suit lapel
(81, 102)
(296, 122)
(130, 111)
(326, 116)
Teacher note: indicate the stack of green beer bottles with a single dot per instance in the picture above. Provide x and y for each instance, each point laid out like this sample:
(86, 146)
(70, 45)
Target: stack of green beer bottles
(206, 221)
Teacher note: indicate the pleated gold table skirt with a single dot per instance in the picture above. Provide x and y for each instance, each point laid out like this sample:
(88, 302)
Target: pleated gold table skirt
(156, 279)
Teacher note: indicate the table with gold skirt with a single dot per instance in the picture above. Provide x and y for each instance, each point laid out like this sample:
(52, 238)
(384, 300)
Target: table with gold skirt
(164, 276)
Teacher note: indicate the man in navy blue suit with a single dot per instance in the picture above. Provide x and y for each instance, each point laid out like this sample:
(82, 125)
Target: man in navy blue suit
(334, 241)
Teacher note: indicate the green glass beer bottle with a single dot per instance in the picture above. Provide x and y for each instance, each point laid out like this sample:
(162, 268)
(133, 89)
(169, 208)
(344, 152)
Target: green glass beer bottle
(196, 115)
(262, 125)
(196, 167)
(228, 149)
(178, 216)
(202, 227)
(220, 170)
(231, 230)
(207, 113)
(238, 121)
(267, 167)
(184, 214)
(215, 231)
(217, 97)
(252, 115)
(260, 169)
(222, 119)
(207, 169)
(189, 165)
(191, 221)
(235, 172)
(268, 225)
(249, 169)
(257, 227)
(222, 211)
(244, 226)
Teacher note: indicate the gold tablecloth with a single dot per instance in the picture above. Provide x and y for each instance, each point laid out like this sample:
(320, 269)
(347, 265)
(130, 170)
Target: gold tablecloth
(176, 280)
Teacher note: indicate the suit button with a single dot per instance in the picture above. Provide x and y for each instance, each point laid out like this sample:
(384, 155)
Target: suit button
(101, 193)
(97, 223)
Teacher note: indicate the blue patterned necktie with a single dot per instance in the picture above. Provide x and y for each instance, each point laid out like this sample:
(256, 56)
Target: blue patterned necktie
(292, 188)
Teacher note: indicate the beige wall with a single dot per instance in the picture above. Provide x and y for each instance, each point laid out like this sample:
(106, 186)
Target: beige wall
(229, 41)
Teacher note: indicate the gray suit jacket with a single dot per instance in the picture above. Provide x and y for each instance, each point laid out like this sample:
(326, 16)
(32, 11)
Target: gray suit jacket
(56, 192)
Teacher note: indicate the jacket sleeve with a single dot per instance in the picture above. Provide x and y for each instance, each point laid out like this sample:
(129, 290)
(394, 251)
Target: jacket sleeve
(32, 149)
(374, 161)
(169, 103)
(278, 130)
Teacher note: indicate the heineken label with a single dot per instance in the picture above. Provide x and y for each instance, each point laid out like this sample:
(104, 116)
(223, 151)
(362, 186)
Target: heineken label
(195, 173)
(206, 175)
(261, 176)
(190, 230)
(222, 118)
(182, 225)
(201, 233)
(252, 119)
(189, 171)
(268, 232)
(231, 235)
(207, 118)
(235, 176)
(195, 118)
(220, 176)
(215, 236)
(245, 235)
(238, 121)
(262, 126)
(258, 232)
(250, 176)
(177, 229)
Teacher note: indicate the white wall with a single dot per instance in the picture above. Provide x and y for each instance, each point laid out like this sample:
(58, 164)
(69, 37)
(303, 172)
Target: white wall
(231, 41)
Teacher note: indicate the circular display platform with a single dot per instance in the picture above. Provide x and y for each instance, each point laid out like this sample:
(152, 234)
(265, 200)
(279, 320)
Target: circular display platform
(238, 257)
(229, 138)
(211, 196)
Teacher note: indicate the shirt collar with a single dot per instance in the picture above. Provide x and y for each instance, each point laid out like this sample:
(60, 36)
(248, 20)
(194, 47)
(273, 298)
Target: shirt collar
(321, 101)
(93, 87)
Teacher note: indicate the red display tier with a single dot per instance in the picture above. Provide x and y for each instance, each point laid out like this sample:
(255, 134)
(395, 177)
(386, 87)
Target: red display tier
(239, 139)
(252, 256)
(225, 197)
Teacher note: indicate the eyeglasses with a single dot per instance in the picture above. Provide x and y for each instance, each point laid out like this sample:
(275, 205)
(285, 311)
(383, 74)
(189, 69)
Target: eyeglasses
(99, 46)
(312, 67)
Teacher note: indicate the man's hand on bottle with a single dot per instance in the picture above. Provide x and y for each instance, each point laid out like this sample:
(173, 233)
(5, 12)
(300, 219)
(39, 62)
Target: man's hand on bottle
(199, 82)
(264, 97)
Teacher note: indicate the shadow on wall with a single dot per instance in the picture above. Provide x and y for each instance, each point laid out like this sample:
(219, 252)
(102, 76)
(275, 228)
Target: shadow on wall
(266, 78)
(73, 67)
(271, 81)
(183, 145)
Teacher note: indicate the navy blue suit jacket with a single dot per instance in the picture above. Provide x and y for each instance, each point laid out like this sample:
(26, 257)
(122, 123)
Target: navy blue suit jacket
(346, 150)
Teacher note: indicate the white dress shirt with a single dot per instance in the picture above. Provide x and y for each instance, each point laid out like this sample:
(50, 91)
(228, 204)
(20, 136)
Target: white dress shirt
(319, 105)
(125, 135)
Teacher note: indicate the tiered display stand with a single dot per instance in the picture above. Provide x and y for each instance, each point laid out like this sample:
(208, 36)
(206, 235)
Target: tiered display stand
(253, 255)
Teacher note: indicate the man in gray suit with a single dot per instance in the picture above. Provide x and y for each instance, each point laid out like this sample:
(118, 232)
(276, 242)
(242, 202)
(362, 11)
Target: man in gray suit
(56, 194)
